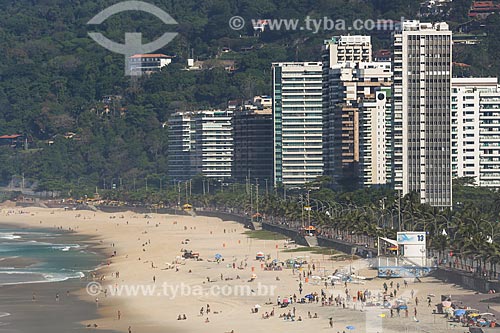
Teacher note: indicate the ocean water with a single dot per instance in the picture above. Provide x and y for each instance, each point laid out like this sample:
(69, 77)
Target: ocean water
(34, 256)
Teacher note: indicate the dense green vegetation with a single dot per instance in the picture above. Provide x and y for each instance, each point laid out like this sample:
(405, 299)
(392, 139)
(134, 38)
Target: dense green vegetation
(53, 77)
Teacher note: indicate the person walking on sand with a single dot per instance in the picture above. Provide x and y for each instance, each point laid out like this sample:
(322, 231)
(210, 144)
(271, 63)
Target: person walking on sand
(331, 322)
(129, 329)
(34, 297)
(119, 315)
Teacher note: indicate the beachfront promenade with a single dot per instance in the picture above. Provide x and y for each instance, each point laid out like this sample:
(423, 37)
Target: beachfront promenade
(340, 240)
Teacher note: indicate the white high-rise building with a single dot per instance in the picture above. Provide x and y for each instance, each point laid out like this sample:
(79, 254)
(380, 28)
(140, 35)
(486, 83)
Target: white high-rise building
(476, 130)
(297, 122)
(355, 123)
(422, 66)
(214, 143)
(200, 142)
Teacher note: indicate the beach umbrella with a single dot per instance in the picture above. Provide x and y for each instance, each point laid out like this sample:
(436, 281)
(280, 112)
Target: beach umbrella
(431, 295)
(459, 312)
(285, 301)
(382, 315)
(309, 296)
(446, 303)
(487, 314)
(254, 276)
(257, 306)
(403, 307)
(474, 315)
(218, 256)
(350, 328)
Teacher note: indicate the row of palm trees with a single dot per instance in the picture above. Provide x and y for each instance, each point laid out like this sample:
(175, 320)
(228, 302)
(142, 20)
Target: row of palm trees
(466, 238)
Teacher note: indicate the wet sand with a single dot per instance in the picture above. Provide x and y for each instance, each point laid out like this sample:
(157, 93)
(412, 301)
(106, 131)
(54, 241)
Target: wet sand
(45, 314)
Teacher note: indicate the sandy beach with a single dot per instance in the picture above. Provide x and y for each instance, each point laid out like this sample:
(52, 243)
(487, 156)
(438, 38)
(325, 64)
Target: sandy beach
(144, 284)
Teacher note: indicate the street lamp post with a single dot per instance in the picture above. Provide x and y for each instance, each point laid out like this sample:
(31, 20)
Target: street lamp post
(308, 209)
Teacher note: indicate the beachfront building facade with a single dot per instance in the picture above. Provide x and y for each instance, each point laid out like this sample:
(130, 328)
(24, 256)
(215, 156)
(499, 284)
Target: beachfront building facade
(213, 143)
(297, 119)
(476, 130)
(422, 65)
(181, 146)
(253, 149)
(200, 143)
(356, 119)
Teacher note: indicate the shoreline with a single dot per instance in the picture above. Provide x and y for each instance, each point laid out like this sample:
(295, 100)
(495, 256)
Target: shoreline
(30, 306)
(148, 254)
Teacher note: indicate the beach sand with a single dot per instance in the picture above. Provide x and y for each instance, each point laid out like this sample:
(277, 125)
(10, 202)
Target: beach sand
(147, 245)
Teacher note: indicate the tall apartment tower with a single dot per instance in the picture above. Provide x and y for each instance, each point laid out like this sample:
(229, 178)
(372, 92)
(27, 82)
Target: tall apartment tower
(356, 112)
(422, 66)
(297, 120)
(355, 115)
(200, 143)
(253, 148)
(476, 130)
(180, 146)
(214, 143)
(338, 50)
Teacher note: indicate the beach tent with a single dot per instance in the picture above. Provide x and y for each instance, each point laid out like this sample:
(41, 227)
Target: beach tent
(260, 255)
(218, 256)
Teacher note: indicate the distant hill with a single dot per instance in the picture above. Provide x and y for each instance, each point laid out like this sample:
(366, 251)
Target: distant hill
(53, 77)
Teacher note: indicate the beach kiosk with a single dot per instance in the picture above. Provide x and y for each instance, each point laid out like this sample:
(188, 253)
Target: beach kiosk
(309, 231)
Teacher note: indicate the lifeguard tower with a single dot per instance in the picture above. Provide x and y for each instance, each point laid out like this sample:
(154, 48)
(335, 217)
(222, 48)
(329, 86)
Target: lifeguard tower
(405, 256)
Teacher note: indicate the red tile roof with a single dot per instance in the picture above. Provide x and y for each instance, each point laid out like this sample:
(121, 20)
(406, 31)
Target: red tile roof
(13, 136)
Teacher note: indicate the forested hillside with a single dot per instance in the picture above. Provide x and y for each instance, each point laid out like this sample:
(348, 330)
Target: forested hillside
(53, 77)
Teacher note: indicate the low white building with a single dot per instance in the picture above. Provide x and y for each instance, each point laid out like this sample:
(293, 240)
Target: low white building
(148, 63)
